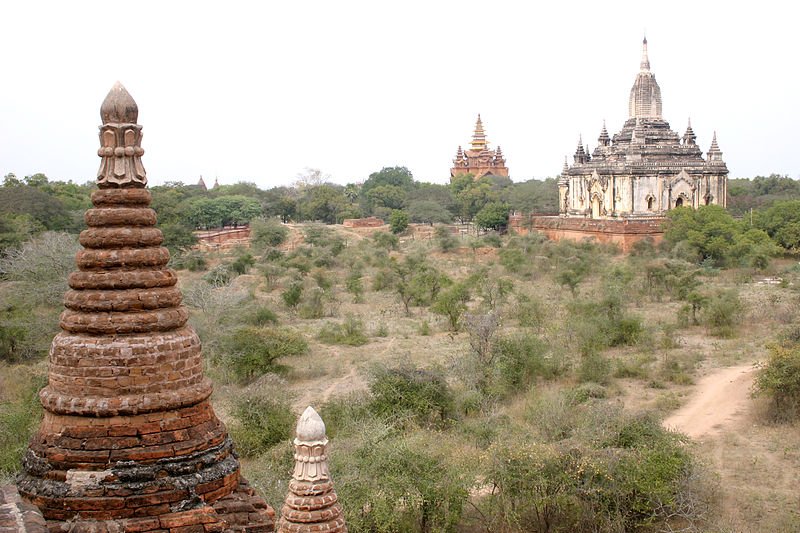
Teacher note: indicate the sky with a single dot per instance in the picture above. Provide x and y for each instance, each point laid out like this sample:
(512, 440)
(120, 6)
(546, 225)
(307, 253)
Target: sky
(262, 91)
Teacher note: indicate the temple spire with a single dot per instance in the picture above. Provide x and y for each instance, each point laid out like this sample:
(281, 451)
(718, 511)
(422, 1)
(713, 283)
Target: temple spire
(645, 98)
(689, 138)
(714, 153)
(645, 64)
(479, 137)
(604, 139)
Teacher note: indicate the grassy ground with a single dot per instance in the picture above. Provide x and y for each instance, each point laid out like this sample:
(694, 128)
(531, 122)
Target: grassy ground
(752, 485)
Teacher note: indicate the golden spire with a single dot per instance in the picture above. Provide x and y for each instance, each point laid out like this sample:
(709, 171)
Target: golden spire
(479, 137)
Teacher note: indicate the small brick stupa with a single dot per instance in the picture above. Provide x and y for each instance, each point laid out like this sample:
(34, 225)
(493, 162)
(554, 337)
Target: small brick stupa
(311, 506)
(129, 441)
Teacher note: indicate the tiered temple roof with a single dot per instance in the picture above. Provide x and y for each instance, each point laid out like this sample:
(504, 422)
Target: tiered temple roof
(646, 168)
(479, 160)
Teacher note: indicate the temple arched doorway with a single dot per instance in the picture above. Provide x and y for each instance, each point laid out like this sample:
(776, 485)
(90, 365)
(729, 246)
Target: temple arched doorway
(595, 206)
(679, 202)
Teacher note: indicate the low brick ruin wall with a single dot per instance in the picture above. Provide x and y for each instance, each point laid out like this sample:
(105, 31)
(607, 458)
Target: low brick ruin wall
(222, 239)
(369, 222)
(624, 233)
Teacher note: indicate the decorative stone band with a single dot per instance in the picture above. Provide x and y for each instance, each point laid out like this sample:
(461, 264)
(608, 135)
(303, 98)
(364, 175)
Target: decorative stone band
(311, 461)
(121, 152)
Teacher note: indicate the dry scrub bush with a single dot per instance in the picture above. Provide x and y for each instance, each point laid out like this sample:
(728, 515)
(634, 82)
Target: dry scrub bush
(596, 469)
(779, 379)
(20, 412)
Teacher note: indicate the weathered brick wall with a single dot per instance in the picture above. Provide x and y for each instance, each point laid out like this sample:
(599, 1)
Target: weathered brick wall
(370, 222)
(18, 516)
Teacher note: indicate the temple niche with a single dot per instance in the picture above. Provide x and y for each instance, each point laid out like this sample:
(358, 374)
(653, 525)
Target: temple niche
(479, 160)
(644, 170)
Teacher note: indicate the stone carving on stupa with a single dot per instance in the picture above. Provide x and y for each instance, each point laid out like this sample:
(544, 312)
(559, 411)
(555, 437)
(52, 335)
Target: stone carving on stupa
(311, 504)
(129, 440)
(649, 168)
(479, 160)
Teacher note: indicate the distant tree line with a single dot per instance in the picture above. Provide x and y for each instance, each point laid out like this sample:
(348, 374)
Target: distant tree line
(33, 204)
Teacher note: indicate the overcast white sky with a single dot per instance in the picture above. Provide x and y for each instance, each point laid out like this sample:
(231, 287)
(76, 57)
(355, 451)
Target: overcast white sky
(258, 91)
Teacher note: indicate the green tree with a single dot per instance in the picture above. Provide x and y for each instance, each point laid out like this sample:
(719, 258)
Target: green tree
(398, 221)
(43, 208)
(493, 215)
(388, 196)
(428, 212)
(394, 176)
(325, 203)
(452, 303)
(472, 195)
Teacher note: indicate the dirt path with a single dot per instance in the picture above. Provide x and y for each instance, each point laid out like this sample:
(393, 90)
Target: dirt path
(720, 400)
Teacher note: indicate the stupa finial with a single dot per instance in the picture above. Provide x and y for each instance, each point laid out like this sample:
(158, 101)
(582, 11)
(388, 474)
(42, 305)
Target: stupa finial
(120, 142)
(645, 64)
(311, 504)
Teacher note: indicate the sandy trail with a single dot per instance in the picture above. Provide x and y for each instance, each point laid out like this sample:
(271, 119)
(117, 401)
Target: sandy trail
(719, 401)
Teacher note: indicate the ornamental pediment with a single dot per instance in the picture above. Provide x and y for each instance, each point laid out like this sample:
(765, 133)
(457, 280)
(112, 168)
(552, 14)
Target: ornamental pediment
(683, 177)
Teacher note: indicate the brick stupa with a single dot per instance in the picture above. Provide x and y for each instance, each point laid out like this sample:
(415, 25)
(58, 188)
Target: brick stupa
(129, 441)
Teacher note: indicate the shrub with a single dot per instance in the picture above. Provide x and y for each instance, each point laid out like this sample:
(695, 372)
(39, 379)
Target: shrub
(407, 393)
(253, 351)
(779, 378)
(291, 296)
(594, 368)
(243, 263)
(424, 328)
(313, 305)
(385, 240)
(492, 240)
(452, 303)
(192, 261)
(382, 330)
(219, 275)
(354, 286)
(638, 476)
(445, 239)
(723, 312)
(394, 483)
(514, 260)
(398, 221)
(261, 316)
(529, 312)
(521, 359)
(41, 266)
(271, 275)
(350, 332)
(267, 232)
(20, 413)
(260, 423)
